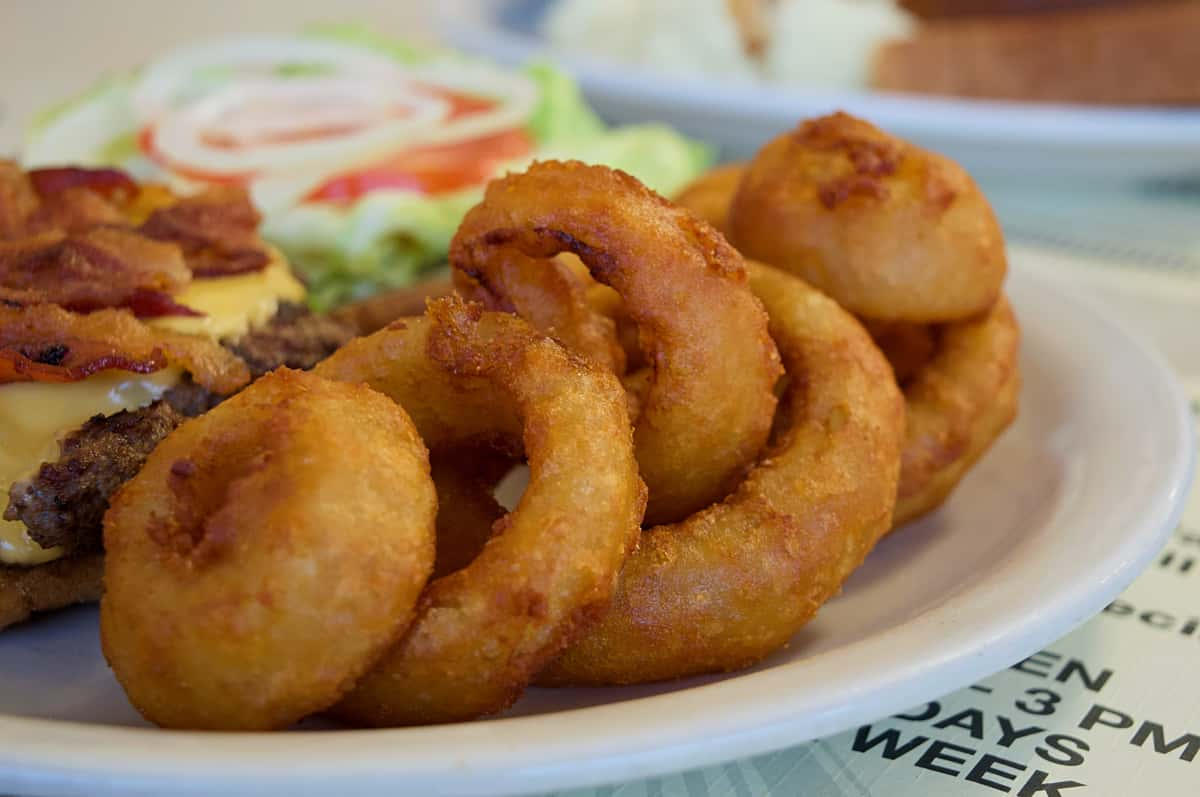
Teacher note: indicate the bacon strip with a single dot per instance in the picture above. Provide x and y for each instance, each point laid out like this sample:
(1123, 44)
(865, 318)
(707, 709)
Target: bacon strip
(67, 237)
(66, 199)
(153, 304)
(103, 267)
(73, 210)
(87, 358)
(45, 343)
(108, 183)
(217, 231)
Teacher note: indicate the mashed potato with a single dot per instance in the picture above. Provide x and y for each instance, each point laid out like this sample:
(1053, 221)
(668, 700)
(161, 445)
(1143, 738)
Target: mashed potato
(828, 43)
(682, 37)
(813, 43)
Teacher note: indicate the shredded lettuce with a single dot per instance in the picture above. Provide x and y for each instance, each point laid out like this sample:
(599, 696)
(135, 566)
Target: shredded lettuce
(561, 114)
(655, 154)
(385, 240)
(120, 149)
(388, 238)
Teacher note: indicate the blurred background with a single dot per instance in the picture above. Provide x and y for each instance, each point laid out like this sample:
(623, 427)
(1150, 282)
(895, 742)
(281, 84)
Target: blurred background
(1081, 118)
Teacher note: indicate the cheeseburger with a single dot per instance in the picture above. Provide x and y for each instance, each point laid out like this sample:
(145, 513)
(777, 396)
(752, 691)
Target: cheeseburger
(124, 309)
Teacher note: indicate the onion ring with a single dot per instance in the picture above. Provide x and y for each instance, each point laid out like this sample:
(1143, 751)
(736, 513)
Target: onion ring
(483, 632)
(467, 508)
(710, 195)
(709, 407)
(607, 302)
(957, 405)
(891, 231)
(727, 586)
(593, 336)
(908, 347)
(267, 554)
(555, 300)
(859, 201)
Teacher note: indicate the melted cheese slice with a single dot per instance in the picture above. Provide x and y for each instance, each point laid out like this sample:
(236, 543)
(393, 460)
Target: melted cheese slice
(233, 305)
(35, 416)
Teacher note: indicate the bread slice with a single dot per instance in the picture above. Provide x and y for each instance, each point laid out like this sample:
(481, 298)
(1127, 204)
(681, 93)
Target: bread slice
(1112, 55)
(53, 585)
(932, 9)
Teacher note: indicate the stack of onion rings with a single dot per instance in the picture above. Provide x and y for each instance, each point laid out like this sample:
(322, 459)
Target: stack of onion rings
(733, 581)
(905, 240)
(729, 585)
(634, 343)
(709, 404)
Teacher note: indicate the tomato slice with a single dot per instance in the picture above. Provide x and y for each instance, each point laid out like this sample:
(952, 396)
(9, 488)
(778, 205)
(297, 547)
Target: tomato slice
(436, 169)
(462, 104)
(146, 145)
(429, 169)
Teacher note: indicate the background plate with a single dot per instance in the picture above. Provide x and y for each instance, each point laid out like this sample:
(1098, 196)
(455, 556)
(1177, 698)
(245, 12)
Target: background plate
(1068, 507)
(1048, 143)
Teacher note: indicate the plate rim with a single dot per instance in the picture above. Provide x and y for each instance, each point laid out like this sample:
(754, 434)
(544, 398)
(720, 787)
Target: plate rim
(572, 748)
(468, 25)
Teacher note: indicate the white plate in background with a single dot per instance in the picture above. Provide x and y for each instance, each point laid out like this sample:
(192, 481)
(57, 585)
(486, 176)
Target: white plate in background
(1054, 522)
(1052, 144)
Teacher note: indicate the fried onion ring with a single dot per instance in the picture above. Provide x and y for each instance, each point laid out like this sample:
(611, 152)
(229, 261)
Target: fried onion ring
(467, 508)
(894, 233)
(483, 632)
(608, 303)
(734, 582)
(709, 407)
(957, 404)
(550, 295)
(710, 195)
(908, 347)
(889, 230)
(266, 556)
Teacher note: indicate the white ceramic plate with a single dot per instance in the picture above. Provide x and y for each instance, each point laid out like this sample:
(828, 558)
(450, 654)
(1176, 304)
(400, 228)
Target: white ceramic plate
(1061, 515)
(1043, 142)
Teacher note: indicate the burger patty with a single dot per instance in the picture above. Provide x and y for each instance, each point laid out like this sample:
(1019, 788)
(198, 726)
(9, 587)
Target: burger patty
(296, 337)
(63, 504)
(963, 8)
